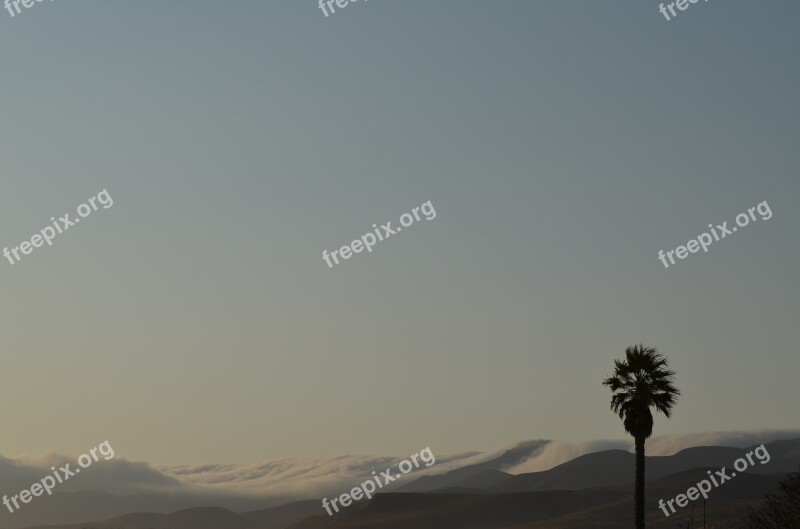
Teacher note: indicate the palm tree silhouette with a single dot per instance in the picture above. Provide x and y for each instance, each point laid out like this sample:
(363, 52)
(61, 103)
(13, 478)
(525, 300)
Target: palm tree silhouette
(643, 380)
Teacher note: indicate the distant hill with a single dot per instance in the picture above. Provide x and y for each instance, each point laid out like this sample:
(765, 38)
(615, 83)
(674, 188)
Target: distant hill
(74, 507)
(478, 481)
(445, 511)
(280, 517)
(593, 491)
(725, 507)
(605, 469)
(206, 518)
(197, 518)
(489, 471)
(596, 508)
(601, 508)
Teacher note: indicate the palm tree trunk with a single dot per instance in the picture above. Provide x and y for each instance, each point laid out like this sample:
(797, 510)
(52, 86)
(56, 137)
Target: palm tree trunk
(639, 485)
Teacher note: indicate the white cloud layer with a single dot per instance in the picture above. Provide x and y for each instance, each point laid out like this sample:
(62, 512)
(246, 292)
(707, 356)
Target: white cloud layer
(301, 478)
(558, 452)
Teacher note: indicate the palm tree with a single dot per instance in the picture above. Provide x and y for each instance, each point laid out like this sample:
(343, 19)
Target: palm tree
(643, 380)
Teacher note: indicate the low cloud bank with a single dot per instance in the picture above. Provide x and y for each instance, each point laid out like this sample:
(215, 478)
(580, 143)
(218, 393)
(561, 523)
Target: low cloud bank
(558, 452)
(115, 476)
(306, 478)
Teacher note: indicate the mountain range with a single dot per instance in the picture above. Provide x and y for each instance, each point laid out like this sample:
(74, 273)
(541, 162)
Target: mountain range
(590, 491)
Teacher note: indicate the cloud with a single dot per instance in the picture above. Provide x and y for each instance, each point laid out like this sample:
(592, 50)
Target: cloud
(558, 452)
(306, 478)
(665, 445)
(303, 477)
(116, 476)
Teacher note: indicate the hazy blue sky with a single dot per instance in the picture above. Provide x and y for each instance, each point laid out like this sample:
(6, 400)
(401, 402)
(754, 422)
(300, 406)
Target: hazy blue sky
(561, 143)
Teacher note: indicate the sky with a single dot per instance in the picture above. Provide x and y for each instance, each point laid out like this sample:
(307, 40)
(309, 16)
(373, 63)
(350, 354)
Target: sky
(562, 145)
